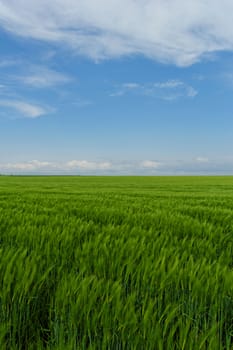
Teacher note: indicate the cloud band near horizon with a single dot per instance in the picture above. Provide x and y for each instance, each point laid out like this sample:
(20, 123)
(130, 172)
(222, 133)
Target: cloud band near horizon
(197, 166)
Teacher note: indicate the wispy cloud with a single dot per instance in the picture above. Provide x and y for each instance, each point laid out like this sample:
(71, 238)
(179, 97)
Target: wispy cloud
(226, 77)
(131, 86)
(170, 84)
(25, 109)
(81, 102)
(168, 90)
(8, 62)
(43, 77)
(181, 32)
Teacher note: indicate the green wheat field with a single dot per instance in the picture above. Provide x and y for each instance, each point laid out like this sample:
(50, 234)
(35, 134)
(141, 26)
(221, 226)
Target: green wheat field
(116, 263)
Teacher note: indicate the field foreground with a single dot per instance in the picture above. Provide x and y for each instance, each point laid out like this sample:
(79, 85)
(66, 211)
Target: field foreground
(116, 263)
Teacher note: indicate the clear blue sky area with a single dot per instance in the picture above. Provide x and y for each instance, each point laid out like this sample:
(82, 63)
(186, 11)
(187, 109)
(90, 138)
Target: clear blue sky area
(120, 93)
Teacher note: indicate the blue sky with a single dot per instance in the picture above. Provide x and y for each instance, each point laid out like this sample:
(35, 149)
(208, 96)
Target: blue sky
(116, 87)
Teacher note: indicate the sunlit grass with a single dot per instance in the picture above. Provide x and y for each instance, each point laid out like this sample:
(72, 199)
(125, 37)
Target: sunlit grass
(116, 263)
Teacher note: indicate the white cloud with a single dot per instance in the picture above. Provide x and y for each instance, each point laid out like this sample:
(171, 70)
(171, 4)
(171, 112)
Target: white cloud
(167, 90)
(191, 92)
(150, 164)
(199, 77)
(170, 84)
(27, 166)
(196, 166)
(25, 109)
(45, 166)
(202, 159)
(87, 165)
(131, 85)
(41, 77)
(80, 167)
(177, 31)
(80, 102)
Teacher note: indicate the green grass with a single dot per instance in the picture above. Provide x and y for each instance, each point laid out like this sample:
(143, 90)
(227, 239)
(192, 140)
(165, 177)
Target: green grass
(116, 263)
